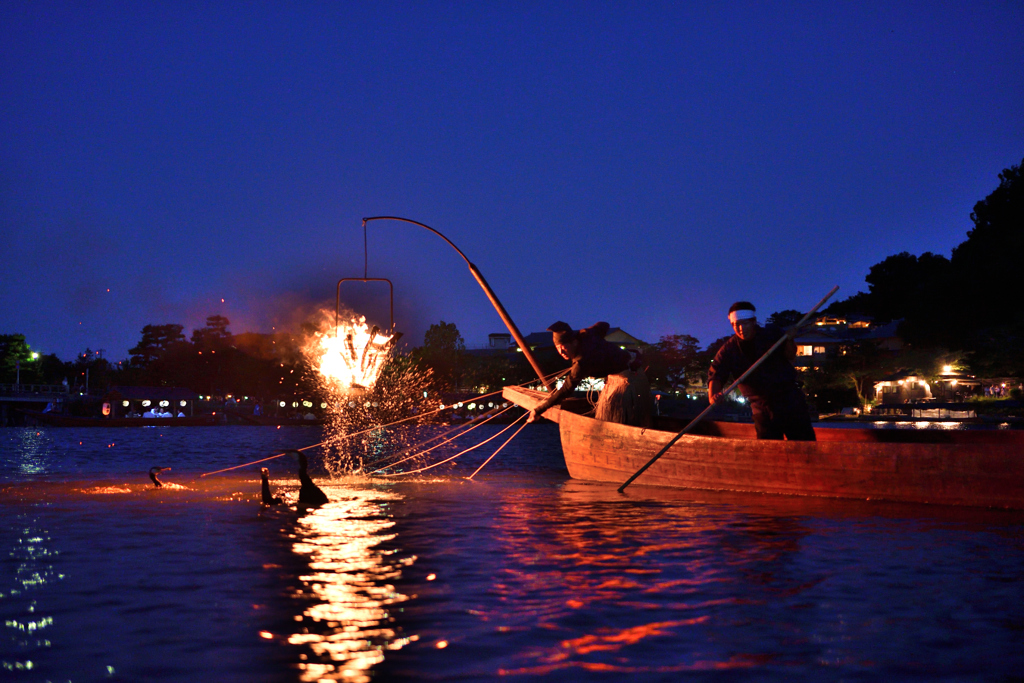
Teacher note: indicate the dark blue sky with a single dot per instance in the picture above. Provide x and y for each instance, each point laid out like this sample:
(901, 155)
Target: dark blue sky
(641, 163)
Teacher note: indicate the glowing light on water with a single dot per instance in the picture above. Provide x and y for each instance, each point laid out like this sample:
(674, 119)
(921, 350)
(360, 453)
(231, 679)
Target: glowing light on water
(352, 357)
(349, 598)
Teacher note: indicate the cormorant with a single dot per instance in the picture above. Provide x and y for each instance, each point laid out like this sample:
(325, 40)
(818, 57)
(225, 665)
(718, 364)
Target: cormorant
(310, 494)
(153, 471)
(267, 498)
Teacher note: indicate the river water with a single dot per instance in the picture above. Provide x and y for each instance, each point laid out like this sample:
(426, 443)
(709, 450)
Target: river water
(521, 573)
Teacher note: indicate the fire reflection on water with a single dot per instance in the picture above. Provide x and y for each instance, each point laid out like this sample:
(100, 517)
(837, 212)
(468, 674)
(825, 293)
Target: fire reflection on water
(589, 557)
(348, 623)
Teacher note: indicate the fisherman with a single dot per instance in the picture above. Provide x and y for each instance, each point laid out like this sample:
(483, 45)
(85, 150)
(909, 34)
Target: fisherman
(775, 396)
(626, 397)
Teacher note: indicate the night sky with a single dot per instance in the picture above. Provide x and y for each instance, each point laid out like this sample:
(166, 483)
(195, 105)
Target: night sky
(641, 163)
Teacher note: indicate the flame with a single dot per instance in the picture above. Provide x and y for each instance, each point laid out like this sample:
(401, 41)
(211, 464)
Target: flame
(352, 356)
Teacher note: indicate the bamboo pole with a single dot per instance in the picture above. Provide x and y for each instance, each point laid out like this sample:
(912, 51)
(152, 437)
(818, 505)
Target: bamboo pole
(491, 296)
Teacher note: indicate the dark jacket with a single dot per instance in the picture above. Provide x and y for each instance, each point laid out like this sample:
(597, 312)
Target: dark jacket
(595, 357)
(774, 379)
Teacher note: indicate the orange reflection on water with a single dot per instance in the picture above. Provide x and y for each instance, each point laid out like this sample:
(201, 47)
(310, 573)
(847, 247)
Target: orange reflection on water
(736, 662)
(613, 640)
(347, 624)
(583, 551)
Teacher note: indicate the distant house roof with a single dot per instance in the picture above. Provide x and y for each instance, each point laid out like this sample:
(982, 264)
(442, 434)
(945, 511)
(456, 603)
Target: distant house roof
(617, 334)
(815, 337)
(538, 340)
(897, 376)
(847, 335)
(153, 393)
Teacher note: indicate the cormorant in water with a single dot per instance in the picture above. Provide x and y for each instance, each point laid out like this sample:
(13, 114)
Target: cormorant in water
(153, 471)
(267, 498)
(310, 494)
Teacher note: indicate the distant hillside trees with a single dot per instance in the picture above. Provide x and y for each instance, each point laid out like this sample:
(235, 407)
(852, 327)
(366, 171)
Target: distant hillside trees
(215, 362)
(673, 362)
(443, 351)
(970, 302)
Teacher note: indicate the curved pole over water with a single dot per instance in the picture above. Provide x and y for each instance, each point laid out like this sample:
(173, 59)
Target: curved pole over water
(505, 318)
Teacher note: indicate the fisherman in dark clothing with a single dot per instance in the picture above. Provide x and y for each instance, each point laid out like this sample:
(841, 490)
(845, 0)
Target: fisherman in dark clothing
(626, 396)
(775, 397)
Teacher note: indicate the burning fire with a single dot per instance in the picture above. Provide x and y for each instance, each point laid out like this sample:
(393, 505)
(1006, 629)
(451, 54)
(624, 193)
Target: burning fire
(351, 357)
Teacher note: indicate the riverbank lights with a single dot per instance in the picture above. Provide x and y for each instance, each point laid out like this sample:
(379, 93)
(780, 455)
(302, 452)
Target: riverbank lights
(35, 356)
(947, 369)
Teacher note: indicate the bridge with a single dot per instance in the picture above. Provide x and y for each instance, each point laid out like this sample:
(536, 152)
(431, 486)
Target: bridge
(11, 395)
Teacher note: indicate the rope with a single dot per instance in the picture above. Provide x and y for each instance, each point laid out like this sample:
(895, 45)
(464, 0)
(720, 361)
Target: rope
(346, 436)
(553, 375)
(466, 431)
(521, 427)
(471, 448)
(255, 462)
(409, 449)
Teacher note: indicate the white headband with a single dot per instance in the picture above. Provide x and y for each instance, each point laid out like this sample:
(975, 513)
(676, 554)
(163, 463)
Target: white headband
(741, 314)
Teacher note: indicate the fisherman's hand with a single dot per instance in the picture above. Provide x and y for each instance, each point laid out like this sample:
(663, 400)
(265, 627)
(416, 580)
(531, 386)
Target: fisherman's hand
(533, 417)
(715, 398)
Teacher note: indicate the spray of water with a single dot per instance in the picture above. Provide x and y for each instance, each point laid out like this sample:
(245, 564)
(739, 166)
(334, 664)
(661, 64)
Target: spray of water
(365, 382)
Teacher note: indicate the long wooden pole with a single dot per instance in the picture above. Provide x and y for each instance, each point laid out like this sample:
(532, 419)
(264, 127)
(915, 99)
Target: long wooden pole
(693, 423)
(491, 296)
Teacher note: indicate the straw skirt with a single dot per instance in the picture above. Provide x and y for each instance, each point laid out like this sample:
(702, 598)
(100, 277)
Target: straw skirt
(626, 399)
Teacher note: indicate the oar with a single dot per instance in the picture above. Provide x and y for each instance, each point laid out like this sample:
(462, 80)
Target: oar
(694, 421)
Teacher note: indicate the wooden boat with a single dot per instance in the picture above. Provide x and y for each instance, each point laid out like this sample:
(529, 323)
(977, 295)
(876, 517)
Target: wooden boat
(58, 420)
(977, 468)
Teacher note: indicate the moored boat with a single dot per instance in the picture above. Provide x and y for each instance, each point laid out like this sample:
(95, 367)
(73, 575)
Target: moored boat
(977, 468)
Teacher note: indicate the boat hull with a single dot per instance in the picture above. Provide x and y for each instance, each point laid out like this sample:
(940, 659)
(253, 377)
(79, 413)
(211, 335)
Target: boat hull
(979, 469)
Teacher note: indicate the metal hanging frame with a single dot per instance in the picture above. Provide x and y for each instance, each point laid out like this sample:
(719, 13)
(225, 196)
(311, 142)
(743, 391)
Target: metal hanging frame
(364, 278)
